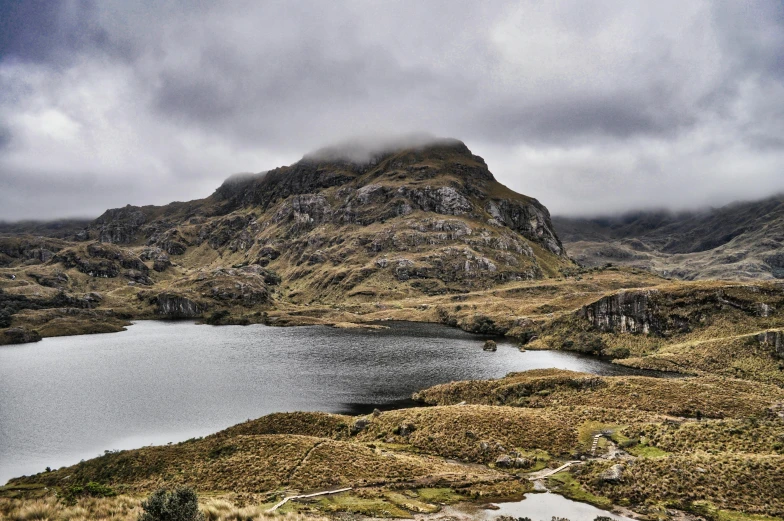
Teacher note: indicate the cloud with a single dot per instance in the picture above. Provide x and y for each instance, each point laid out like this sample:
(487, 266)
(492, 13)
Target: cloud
(590, 107)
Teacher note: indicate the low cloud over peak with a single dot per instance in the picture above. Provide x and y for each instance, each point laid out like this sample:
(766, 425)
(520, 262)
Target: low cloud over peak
(362, 150)
(590, 107)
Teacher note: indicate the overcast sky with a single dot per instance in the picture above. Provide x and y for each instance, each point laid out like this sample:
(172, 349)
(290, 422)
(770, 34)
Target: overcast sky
(589, 106)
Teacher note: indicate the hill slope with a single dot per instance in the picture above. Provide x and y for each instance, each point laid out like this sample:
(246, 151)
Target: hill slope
(737, 241)
(400, 223)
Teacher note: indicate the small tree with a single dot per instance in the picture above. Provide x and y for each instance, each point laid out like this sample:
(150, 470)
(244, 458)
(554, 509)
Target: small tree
(179, 505)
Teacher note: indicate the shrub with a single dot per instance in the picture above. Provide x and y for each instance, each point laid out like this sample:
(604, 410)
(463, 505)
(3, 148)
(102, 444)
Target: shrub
(179, 505)
(217, 317)
(91, 489)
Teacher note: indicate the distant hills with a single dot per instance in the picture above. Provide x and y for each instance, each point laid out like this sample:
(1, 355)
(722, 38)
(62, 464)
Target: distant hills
(737, 241)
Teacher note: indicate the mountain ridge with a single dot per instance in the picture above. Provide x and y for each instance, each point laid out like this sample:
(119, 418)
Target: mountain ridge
(406, 223)
(741, 240)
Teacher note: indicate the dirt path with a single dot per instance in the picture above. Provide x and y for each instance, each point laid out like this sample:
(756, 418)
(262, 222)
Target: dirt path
(302, 496)
(304, 458)
(536, 476)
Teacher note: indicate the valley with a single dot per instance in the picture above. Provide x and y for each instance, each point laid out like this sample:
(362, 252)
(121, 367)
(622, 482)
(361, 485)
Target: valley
(427, 235)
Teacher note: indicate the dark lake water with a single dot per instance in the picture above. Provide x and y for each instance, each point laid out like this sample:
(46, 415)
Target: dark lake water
(70, 398)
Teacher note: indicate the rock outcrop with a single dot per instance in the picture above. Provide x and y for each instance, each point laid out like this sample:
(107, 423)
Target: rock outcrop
(170, 305)
(18, 335)
(119, 225)
(104, 260)
(421, 220)
(625, 312)
(613, 475)
(773, 340)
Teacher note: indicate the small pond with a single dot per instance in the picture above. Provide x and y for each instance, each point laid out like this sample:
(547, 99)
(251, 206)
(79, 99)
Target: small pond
(544, 506)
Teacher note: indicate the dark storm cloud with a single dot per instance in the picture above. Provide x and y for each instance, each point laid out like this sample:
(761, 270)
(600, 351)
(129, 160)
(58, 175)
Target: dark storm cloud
(616, 116)
(590, 107)
(52, 31)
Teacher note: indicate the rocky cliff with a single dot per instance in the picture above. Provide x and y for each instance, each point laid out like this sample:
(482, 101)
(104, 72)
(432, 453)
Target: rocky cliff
(428, 219)
(330, 229)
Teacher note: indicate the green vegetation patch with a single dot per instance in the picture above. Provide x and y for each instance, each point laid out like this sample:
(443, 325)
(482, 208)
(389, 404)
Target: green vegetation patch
(565, 484)
(370, 506)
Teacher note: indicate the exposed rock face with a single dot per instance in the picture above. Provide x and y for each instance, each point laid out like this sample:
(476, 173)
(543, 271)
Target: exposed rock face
(18, 335)
(774, 340)
(177, 306)
(119, 225)
(625, 312)
(104, 260)
(530, 220)
(28, 250)
(445, 200)
(56, 280)
(159, 257)
(613, 475)
(169, 241)
(504, 462)
(664, 312)
(11, 304)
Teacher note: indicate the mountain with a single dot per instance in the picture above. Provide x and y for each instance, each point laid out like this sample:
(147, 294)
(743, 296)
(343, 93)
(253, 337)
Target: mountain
(61, 229)
(336, 227)
(737, 241)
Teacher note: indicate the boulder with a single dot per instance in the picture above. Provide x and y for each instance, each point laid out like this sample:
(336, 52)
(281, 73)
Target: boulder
(405, 429)
(613, 474)
(490, 345)
(504, 462)
(359, 425)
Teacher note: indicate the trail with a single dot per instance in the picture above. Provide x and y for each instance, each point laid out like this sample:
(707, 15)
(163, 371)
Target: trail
(549, 473)
(304, 458)
(302, 496)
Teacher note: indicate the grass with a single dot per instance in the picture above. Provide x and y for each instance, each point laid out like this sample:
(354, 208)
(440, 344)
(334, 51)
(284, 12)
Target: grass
(119, 508)
(352, 504)
(128, 508)
(646, 451)
(705, 396)
(439, 495)
(24, 490)
(750, 483)
(745, 436)
(565, 484)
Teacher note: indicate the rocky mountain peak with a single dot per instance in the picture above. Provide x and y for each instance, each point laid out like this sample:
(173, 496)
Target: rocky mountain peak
(419, 217)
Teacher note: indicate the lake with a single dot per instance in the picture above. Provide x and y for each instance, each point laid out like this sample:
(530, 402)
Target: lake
(70, 398)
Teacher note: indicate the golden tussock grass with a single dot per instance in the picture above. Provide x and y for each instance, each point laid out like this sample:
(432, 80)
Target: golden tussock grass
(708, 396)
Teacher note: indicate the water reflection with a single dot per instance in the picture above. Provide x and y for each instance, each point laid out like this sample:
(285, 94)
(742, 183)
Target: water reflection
(68, 398)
